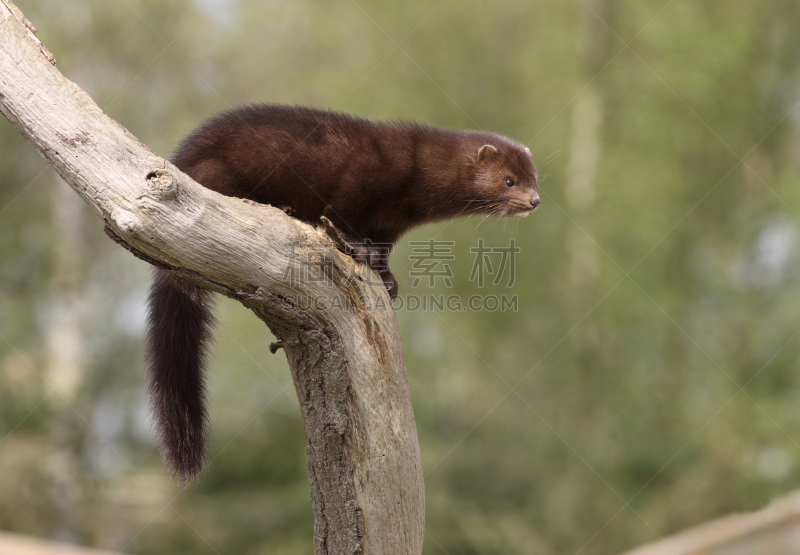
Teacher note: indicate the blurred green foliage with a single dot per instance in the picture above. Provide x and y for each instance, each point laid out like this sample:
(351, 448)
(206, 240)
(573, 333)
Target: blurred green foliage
(649, 379)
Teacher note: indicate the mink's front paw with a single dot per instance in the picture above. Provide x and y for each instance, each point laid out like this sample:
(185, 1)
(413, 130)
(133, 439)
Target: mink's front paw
(376, 256)
(360, 253)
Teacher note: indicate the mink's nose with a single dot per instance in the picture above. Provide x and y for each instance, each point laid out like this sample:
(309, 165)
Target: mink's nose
(535, 203)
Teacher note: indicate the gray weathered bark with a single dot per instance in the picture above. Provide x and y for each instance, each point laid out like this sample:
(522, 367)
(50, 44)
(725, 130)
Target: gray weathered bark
(344, 349)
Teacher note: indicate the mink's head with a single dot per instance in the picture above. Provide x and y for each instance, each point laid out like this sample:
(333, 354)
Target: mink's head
(504, 180)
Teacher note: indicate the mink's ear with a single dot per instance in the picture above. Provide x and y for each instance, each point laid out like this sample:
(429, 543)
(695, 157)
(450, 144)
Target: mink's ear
(528, 151)
(485, 151)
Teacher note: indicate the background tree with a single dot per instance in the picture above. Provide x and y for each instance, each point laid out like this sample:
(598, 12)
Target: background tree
(653, 358)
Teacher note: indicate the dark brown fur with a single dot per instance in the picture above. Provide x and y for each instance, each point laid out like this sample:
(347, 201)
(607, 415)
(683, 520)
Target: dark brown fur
(374, 181)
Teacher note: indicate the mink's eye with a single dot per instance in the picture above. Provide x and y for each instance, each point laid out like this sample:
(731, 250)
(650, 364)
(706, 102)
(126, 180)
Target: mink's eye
(509, 182)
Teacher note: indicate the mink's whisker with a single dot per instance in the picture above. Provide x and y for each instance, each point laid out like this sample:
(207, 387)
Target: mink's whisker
(550, 158)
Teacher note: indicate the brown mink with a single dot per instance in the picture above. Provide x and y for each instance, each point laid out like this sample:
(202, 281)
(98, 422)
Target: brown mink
(373, 180)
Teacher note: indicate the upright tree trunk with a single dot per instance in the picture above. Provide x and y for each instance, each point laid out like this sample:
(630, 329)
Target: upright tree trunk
(344, 348)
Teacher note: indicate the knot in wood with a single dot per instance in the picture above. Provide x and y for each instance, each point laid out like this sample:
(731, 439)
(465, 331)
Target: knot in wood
(125, 221)
(162, 184)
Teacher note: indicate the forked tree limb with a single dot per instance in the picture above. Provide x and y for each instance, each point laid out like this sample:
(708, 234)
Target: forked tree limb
(335, 319)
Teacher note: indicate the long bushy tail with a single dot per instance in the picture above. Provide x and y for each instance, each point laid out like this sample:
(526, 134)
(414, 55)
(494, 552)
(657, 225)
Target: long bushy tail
(178, 333)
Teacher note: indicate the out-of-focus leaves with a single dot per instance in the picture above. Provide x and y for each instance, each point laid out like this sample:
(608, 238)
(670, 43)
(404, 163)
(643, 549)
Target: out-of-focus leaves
(648, 378)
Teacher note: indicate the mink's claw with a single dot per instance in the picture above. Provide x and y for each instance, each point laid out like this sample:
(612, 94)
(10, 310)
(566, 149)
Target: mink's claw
(391, 284)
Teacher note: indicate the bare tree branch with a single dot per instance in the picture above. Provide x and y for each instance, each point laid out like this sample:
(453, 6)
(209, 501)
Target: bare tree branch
(773, 530)
(343, 349)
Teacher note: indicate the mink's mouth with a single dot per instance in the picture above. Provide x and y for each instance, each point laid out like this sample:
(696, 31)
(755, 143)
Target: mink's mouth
(517, 211)
(520, 213)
